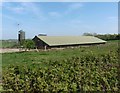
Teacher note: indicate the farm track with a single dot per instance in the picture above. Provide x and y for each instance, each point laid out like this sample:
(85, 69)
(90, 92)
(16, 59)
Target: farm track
(6, 50)
(11, 50)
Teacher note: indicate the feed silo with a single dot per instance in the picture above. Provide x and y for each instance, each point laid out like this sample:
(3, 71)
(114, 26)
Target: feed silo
(21, 36)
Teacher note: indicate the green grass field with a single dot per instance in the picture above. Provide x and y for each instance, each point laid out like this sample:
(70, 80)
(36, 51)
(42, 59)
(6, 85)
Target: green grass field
(93, 68)
(30, 57)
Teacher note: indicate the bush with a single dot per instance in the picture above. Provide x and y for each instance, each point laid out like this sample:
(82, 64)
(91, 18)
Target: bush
(28, 44)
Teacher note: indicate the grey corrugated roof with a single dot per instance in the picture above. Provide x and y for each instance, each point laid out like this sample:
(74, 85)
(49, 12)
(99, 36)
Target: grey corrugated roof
(69, 40)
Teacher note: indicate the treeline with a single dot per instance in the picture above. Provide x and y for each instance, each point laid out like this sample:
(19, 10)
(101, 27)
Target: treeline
(109, 36)
(104, 36)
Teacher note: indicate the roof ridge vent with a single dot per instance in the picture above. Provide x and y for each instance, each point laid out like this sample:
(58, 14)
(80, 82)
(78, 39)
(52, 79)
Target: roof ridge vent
(42, 35)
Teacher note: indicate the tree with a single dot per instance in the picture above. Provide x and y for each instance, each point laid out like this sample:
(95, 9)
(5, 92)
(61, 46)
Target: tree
(28, 44)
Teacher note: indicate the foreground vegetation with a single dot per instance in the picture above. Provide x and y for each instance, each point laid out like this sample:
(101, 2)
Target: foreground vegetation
(93, 68)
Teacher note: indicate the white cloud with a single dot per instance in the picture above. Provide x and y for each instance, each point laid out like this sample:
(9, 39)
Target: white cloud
(0, 4)
(34, 9)
(0, 8)
(13, 9)
(54, 14)
(25, 7)
(76, 21)
(60, 0)
(10, 17)
(16, 9)
(17, 0)
(113, 18)
(74, 6)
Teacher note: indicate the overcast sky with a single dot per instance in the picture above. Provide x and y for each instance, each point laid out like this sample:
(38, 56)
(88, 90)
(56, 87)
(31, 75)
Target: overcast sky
(56, 19)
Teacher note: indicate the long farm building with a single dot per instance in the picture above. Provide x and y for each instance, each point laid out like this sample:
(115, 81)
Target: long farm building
(42, 42)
